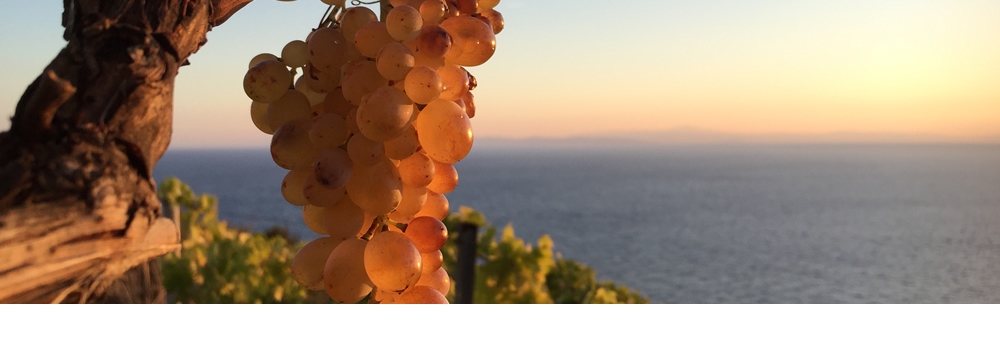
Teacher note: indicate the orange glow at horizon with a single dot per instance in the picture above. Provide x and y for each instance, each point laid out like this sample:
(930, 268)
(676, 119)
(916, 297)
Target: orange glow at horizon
(929, 68)
(916, 67)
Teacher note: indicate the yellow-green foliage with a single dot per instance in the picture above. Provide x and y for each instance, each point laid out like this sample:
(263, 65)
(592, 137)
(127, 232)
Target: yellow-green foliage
(509, 271)
(572, 282)
(219, 264)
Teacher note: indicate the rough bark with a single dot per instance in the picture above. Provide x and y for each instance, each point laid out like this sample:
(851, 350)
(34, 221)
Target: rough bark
(78, 205)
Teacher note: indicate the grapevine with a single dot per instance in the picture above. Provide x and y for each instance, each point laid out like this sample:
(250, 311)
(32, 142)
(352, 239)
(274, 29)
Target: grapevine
(369, 132)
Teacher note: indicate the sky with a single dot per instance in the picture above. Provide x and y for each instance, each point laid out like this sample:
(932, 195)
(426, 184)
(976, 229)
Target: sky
(571, 68)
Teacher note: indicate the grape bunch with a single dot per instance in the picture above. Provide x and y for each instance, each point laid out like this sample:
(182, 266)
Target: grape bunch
(370, 132)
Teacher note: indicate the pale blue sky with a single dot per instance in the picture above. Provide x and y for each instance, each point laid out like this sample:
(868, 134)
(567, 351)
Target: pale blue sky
(580, 67)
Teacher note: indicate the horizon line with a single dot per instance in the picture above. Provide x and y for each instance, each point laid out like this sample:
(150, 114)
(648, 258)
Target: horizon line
(642, 143)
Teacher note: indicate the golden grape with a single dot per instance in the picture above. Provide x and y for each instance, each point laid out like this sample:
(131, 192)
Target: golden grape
(309, 261)
(392, 262)
(267, 81)
(290, 145)
(444, 131)
(438, 279)
(427, 234)
(344, 275)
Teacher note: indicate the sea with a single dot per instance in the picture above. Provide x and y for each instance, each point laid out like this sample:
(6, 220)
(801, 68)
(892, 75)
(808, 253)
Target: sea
(710, 223)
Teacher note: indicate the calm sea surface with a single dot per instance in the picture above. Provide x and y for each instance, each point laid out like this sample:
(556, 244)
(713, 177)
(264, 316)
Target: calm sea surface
(712, 224)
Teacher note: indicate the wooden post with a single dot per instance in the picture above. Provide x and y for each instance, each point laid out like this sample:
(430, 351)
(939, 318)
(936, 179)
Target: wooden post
(465, 280)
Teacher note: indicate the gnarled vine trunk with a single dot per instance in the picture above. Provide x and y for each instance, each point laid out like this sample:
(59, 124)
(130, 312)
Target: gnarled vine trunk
(78, 205)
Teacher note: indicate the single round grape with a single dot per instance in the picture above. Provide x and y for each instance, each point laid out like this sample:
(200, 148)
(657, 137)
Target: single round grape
(344, 219)
(291, 106)
(404, 145)
(355, 18)
(394, 61)
(377, 189)
(432, 11)
(341, 3)
(421, 295)
(267, 81)
(309, 261)
(327, 49)
(433, 41)
(438, 279)
(290, 145)
(403, 23)
(333, 168)
(302, 86)
(413, 200)
(371, 38)
(454, 81)
(344, 275)
(360, 78)
(473, 41)
(292, 184)
(496, 19)
(417, 170)
(313, 217)
(295, 54)
(328, 131)
(258, 113)
(445, 178)
(444, 131)
(432, 260)
(319, 195)
(392, 262)
(364, 151)
(428, 234)
(384, 114)
(435, 207)
(261, 57)
(423, 85)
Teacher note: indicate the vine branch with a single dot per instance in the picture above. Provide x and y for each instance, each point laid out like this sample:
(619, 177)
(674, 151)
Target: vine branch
(78, 205)
(224, 9)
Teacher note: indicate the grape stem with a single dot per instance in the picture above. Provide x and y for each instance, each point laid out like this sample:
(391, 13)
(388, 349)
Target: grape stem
(377, 224)
(330, 16)
(223, 9)
(326, 17)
